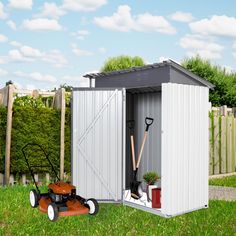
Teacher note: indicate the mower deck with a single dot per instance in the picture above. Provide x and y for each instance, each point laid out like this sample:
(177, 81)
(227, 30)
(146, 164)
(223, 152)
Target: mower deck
(71, 207)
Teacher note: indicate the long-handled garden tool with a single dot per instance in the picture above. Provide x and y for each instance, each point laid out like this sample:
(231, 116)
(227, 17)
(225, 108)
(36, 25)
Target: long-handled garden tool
(135, 185)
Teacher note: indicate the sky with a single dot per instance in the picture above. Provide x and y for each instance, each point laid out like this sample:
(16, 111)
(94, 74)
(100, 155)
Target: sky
(44, 44)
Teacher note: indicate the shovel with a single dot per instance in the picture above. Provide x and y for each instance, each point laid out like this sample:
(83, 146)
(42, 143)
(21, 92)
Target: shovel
(135, 185)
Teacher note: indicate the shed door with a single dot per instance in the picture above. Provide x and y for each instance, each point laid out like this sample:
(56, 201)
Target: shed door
(97, 148)
(184, 148)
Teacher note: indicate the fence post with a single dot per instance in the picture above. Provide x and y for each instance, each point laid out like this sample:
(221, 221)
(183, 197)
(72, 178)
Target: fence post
(62, 136)
(47, 178)
(1, 178)
(23, 179)
(8, 134)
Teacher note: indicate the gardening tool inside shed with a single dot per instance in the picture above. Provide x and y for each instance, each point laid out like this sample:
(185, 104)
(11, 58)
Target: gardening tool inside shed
(135, 185)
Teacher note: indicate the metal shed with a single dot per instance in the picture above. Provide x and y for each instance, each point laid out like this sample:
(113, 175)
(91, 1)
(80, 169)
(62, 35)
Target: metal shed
(177, 145)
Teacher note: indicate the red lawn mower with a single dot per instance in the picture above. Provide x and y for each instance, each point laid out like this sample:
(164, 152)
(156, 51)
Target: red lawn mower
(61, 198)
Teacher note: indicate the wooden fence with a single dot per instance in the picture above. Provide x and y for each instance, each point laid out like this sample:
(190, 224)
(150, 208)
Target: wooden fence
(7, 95)
(222, 138)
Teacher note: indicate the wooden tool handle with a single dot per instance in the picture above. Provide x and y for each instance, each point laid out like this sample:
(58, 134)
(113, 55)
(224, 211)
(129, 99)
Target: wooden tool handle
(133, 152)
(142, 147)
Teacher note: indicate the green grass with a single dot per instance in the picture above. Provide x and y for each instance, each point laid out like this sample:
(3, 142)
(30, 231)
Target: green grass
(229, 181)
(18, 218)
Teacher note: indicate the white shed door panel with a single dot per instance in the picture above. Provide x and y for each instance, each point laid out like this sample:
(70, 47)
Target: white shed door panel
(97, 143)
(184, 148)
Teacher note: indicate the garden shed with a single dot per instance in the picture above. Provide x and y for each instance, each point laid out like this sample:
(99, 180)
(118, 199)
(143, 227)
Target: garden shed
(177, 142)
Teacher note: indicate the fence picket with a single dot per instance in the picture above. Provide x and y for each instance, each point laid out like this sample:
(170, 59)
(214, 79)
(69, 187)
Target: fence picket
(216, 144)
(223, 145)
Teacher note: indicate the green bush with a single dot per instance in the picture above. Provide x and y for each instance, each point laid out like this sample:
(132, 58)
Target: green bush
(40, 125)
(224, 92)
(121, 63)
(150, 177)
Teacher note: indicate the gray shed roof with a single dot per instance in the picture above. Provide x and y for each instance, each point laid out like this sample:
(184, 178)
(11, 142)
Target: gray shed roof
(148, 75)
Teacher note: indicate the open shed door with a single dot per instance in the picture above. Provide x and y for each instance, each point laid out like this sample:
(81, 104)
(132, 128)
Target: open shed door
(97, 143)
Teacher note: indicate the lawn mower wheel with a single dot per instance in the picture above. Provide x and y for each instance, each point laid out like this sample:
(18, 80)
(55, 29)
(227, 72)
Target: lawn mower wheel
(34, 198)
(52, 212)
(93, 206)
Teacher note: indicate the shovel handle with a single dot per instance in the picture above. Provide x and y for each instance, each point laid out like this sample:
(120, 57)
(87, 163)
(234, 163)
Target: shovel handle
(148, 122)
(130, 125)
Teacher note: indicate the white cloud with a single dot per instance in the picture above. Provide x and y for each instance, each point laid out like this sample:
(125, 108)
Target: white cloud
(42, 24)
(21, 4)
(161, 59)
(3, 15)
(27, 53)
(39, 77)
(83, 5)
(56, 58)
(79, 52)
(204, 47)
(24, 53)
(122, 20)
(234, 45)
(15, 44)
(11, 24)
(182, 16)
(51, 10)
(102, 50)
(3, 59)
(79, 81)
(148, 22)
(16, 56)
(30, 87)
(234, 54)
(30, 52)
(80, 34)
(216, 25)
(36, 76)
(3, 72)
(3, 38)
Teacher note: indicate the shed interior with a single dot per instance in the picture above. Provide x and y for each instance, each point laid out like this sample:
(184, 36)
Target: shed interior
(142, 103)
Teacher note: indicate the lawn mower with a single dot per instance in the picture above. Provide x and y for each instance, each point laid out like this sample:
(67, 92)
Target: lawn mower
(61, 198)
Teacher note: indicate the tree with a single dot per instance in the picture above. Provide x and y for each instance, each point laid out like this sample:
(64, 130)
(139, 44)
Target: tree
(224, 92)
(68, 88)
(122, 62)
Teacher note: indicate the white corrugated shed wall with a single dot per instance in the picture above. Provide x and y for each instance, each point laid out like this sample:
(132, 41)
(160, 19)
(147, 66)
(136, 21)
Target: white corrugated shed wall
(184, 148)
(148, 105)
(97, 144)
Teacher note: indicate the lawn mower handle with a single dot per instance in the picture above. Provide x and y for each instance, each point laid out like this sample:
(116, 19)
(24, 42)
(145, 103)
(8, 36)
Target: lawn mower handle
(148, 122)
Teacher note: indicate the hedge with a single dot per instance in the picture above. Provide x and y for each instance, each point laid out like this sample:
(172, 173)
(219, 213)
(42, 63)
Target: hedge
(40, 125)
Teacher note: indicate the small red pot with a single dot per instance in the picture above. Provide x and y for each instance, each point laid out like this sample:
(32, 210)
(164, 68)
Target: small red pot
(156, 198)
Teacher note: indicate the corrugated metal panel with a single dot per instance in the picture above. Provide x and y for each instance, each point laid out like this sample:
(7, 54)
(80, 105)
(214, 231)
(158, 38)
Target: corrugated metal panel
(184, 148)
(148, 105)
(97, 143)
(138, 107)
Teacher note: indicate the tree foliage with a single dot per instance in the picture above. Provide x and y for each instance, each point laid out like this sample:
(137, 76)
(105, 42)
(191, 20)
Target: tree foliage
(224, 92)
(122, 62)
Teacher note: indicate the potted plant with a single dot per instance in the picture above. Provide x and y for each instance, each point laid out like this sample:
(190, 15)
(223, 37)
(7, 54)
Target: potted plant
(150, 179)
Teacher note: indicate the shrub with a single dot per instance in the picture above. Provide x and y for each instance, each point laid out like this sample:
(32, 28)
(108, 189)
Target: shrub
(150, 177)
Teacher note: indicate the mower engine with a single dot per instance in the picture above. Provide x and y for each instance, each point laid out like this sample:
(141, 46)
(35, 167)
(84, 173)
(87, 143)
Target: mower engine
(56, 197)
(60, 191)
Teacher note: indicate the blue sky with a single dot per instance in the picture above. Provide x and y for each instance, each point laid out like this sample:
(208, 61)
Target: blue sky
(47, 43)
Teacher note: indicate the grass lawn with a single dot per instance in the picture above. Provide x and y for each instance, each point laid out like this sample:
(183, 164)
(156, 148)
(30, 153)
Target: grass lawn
(18, 218)
(229, 181)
